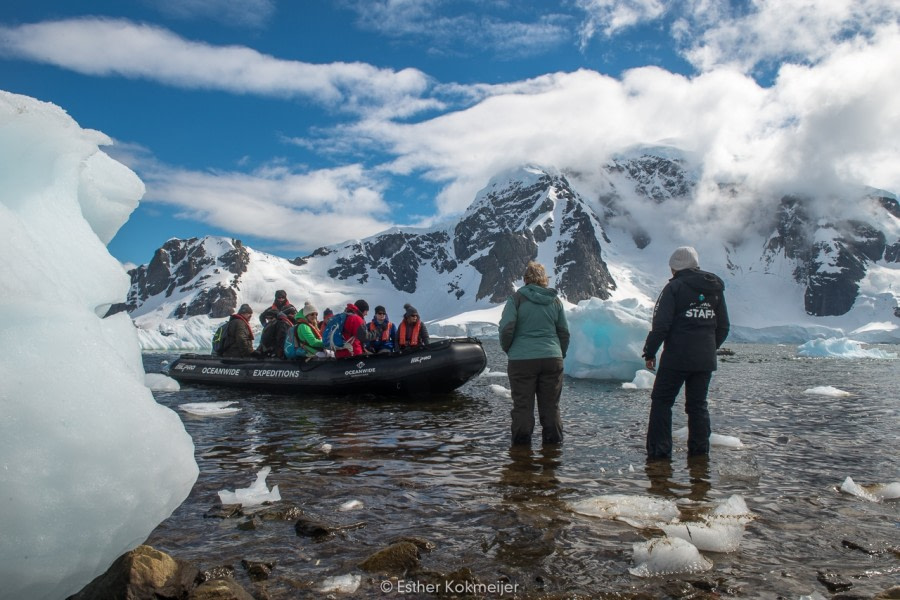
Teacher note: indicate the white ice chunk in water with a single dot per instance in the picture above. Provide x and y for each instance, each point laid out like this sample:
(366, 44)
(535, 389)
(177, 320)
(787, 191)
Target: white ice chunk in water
(667, 556)
(715, 439)
(888, 491)
(350, 505)
(637, 511)
(826, 390)
(715, 535)
(734, 506)
(341, 584)
(206, 409)
(643, 380)
(720, 531)
(254, 495)
(727, 441)
(872, 493)
(489, 373)
(501, 391)
(158, 382)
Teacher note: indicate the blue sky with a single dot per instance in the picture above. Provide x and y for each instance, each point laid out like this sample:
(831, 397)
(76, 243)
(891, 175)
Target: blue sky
(296, 124)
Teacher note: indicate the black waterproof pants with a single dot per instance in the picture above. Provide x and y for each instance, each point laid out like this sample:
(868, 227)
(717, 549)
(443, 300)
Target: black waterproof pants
(536, 379)
(665, 389)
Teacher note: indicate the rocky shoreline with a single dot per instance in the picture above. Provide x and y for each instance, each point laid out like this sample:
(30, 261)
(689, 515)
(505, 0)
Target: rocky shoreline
(146, 572)
(151, 574)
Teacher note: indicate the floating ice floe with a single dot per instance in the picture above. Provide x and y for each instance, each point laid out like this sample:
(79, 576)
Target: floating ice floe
(158, 382)
(350, 505)
(489, 373)
(501, 391)
(827, 390)
(872, 493)
(840, 348)
(720, 531)
(667, 556)
(637, 511)
(341, 584)
(643, 380)
(715, 439)
(713, 536)
(206, 409)
(325, 447)
(254, 495)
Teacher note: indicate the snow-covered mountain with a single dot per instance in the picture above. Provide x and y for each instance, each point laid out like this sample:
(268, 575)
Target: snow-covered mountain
(787, 260)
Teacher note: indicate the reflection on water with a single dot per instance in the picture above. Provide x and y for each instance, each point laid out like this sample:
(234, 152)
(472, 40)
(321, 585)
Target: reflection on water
(661, 474)
(443, 471)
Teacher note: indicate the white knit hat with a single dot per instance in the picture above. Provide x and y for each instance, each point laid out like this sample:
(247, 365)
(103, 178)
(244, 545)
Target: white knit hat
(309, 309)
(684, 258)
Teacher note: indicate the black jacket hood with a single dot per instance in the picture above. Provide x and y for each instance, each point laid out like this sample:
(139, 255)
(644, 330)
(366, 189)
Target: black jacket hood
(702, 281)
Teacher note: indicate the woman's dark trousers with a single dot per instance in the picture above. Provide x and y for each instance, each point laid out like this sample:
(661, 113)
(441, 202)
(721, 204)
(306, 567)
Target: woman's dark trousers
(665, 389)
(536, 379)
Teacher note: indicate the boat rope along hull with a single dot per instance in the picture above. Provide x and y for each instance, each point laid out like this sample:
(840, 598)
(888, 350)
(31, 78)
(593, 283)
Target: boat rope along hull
(441, 366)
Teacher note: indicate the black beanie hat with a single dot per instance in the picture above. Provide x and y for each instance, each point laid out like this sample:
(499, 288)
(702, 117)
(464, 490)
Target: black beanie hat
(380, 309)
(280, 294)
(327, 312)
(410, 310)
(362, 305)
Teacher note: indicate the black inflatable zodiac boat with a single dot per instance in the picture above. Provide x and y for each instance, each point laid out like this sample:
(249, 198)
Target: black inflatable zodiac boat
(441, 366)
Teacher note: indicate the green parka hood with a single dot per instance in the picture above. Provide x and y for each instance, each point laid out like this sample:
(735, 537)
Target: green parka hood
(538, 294)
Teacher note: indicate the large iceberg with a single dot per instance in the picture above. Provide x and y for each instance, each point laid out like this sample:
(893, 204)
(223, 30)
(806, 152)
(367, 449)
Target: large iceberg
(607, 339)
(91, 463)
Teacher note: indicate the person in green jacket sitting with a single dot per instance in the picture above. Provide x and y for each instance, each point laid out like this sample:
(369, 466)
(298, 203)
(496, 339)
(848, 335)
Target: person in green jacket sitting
(534, 333)
(306, 336)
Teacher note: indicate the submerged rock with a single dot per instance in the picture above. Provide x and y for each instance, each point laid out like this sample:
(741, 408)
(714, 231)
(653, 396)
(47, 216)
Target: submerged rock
(224, 511)
(889, 594)
(220, 572)
(319, 530)
(396, 559)
(289, 512)
(833, 581)
(220, 589)
(257, 570)
(316, 530)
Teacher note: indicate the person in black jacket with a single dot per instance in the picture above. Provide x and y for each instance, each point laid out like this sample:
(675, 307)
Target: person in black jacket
(271, 341)
(690, 322)
(278, 305)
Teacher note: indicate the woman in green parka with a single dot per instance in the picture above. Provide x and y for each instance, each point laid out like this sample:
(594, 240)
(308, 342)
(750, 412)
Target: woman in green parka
(307, 339)
(534, 334)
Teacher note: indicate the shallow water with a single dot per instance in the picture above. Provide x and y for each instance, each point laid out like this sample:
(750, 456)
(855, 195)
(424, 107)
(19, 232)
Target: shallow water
(442, 471)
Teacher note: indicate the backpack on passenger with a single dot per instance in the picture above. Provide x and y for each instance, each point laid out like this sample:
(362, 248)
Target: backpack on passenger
(218, 340)
(332, 338)
(292, 347)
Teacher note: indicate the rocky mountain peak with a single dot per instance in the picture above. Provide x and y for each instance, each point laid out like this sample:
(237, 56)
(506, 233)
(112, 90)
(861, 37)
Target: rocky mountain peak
(535, 214)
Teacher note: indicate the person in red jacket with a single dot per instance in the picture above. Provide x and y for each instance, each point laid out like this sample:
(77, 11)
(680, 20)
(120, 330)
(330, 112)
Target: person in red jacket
(355, 329)
(325, 316)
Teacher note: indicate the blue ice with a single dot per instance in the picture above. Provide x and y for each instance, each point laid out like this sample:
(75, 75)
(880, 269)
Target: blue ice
(840, 348)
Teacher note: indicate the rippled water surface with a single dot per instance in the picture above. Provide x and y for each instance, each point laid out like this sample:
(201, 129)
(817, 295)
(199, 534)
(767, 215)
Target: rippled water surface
(442, 471)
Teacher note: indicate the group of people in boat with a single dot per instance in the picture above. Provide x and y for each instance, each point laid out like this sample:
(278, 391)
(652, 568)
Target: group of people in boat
(289, 333)
(690, 322)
